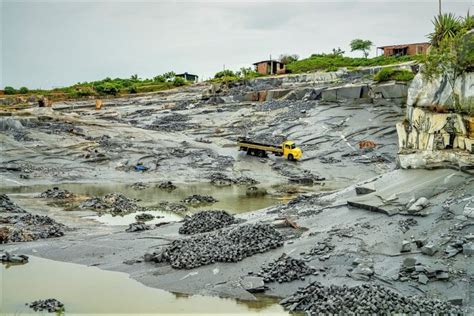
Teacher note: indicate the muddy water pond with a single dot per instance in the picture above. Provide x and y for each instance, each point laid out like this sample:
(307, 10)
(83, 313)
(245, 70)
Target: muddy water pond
(90, 290)
(233, 198)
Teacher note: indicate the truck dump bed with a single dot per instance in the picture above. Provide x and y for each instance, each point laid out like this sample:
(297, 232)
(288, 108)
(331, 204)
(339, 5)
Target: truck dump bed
(248, 143)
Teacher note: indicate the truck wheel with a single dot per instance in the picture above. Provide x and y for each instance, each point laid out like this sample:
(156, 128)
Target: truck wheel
(290, 157)
(249, 151)
(261, 153)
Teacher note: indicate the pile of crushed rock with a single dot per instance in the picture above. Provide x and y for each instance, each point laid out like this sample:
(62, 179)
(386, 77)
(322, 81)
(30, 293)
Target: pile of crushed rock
(285, 269)
(50, 305)
(172, 207)
(206, 221)
(316, 299)
(57, 193)
(230, 245)
(114, 203)
(8, 206)
(220, 179)
(198, 200)
(28, 227)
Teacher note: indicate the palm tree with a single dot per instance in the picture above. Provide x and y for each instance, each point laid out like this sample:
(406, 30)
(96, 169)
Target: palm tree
(446, 26)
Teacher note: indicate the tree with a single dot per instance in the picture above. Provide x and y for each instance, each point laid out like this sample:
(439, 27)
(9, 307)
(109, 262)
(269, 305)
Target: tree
(9, 90)
(362, 45)
(23, 90)
(224, 73)
(288, 59)
(446, 27)
(337, 52)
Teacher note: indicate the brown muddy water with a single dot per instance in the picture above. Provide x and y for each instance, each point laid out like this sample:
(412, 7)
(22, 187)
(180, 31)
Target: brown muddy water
(89, 290)
(230, 198)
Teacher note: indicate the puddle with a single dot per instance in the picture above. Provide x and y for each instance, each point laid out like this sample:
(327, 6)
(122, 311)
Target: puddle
(233, 199)
(93, 291)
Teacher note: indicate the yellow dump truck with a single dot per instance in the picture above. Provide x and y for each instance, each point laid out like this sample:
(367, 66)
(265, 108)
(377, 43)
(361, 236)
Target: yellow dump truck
(287, 149)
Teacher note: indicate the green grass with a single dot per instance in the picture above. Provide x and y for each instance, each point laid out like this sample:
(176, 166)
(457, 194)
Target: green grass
(389, 73)
(104, 88)
(330, 62)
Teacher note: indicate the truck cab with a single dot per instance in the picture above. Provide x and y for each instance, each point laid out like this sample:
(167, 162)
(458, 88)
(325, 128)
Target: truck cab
(290, 151)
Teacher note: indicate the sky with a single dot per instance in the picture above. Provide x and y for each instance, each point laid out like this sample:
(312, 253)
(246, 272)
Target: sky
(46, 44)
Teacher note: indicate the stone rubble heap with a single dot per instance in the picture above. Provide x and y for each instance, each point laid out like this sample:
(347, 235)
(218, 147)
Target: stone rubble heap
(8, 206)
(316, 299)
(411, 269)
(137, 227)
(173, 207)
(364, 269)
(322, 248)
(167, 185)
(50, 305)
(57, 193)
(206, 221)
(230, 245)
(144, 217)
(114, 203)
(220, 179)
(197, 200)
(285, 269)
(28, 227)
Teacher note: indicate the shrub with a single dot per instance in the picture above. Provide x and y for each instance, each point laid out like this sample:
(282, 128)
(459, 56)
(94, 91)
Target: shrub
(108, 88)
(389, 73)
(9, 90)
(84, 91)
(288, 59)
(133, 89)
(23, 90)
(225, 73)
(178, 81)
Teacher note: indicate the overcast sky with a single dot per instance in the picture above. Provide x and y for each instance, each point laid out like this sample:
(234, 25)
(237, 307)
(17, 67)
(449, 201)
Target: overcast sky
(58, 43)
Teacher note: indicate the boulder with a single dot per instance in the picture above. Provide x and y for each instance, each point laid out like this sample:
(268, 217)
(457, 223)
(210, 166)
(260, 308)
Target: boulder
(468, 249)
(429, 249)
(390, 90)
(253, 284)
(365, 188)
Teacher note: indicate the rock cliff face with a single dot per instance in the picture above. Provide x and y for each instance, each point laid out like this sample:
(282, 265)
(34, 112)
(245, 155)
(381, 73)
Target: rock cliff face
(439, 126)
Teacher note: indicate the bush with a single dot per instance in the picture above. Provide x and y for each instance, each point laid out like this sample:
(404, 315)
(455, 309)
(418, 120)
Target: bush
(389, 73)
(108, 88)
(9, 90)
(133, 89)
(84, 91)
(23, 90)
(225, 73)
(178, 81)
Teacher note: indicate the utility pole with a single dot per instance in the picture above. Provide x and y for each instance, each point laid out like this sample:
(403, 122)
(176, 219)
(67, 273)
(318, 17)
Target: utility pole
(439, 7)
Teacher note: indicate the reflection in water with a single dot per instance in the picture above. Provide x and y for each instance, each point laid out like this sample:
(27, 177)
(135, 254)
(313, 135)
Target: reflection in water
(91, 290)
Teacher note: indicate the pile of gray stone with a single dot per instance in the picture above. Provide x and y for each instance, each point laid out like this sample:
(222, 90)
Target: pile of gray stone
(316, 299)
(285, 269)
(413, 270)
(172, 123)
(198, 200)
(144, 217)
(8, 206)
(229, 245)
(114, 203)
(57, 193)
(49, 305)
(29, 227)
(220, 179)
(206, 221)
(167, 185)
(137, 227)
(173, 207)
(322, 248)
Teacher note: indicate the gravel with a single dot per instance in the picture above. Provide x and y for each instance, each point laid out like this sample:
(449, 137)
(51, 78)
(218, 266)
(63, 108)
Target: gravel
(114, 203)
(144, 217)
(28, 227)
(206, 221)
(315, 299)
(229, 245)
(167, 185)
(173, 207)
(57, 193)
(172, 123)
(197, 200)
(7, 205)
(50, 305)
(285, 269)
(220, 179)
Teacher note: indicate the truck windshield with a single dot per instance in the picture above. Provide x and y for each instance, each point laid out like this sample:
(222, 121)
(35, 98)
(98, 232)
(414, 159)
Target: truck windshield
(292, 146)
